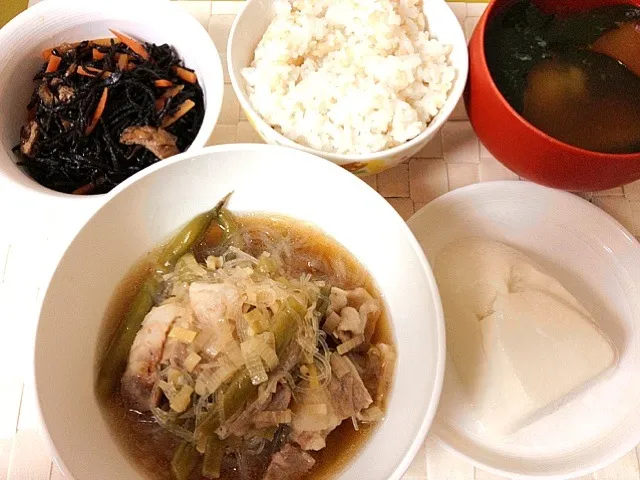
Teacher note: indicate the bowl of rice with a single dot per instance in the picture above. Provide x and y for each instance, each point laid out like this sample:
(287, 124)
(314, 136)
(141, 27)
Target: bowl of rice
(365, 84)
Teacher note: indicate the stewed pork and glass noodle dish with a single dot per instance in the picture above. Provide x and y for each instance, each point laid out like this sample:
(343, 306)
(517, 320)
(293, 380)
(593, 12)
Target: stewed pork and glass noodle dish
(104, 109)
(576, 77)
(248, 347)
(349, 76)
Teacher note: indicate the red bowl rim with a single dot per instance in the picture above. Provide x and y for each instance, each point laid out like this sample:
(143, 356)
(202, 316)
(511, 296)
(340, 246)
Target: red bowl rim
(480, 31)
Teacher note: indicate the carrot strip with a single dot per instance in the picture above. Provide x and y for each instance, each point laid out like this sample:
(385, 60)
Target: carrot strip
(163, 83)
(186, 75)
(94, 69)
(123, 61)
(54, 63)
(98, 111)
(169, 93)
(129, 65)
(181, 111)
(103, 42)
(135, 46)
(85, 189)
(82, 71)
(62, 48)
(97, 54)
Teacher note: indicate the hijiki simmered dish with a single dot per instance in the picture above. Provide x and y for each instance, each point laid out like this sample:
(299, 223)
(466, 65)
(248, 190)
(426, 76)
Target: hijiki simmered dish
(255, 348)
(105, 109)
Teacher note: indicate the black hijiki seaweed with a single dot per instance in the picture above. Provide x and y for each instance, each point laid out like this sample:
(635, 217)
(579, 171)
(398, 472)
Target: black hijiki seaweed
(64, 158)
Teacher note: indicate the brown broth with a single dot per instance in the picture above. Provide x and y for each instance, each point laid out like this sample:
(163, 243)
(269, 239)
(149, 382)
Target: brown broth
(575, 77)
(587, 100)
(148, 446)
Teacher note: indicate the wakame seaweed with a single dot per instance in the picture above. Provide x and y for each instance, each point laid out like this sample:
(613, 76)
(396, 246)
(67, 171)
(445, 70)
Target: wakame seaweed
(522, 36)
(583, 28)
(515, 43)
(60, 148)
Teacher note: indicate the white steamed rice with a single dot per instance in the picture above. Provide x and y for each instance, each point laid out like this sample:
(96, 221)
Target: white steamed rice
(349, 76)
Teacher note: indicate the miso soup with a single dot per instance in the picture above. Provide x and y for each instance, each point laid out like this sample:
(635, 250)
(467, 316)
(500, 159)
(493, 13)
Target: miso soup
(575, 77)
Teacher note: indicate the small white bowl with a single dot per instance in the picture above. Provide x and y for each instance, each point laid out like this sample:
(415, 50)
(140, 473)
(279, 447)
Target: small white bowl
(251, 24)
(53, 22)
(598, 261)
(146, 209)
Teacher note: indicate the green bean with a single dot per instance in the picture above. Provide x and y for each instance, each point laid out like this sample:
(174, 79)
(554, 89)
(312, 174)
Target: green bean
(229, 227)
(187, 237)
(115, 361)
(234, 396)
(322, 304)
(267, 433)
(227, 223)
(285, 324)
(184, 461)
(237, 392)
(213, 453)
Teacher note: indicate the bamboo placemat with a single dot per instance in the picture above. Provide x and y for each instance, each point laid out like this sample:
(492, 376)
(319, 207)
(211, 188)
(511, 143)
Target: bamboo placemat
(10, 8)
(453, 159)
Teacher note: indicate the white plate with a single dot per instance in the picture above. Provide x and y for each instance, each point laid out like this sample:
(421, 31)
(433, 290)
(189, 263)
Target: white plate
(598, 261)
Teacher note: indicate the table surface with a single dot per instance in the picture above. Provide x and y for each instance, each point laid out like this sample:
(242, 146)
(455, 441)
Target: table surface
(29, 251)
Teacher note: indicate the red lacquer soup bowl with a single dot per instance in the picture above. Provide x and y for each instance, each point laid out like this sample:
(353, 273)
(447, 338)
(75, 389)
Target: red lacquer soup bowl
(520, 146)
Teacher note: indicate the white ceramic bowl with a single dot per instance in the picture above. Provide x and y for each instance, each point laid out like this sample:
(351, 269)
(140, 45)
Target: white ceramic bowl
(50, 23)
(598, 261)
(146, 209)
(247, 31)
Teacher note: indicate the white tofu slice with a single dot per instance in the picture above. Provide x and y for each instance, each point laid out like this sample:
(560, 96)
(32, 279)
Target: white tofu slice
(519, 340)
